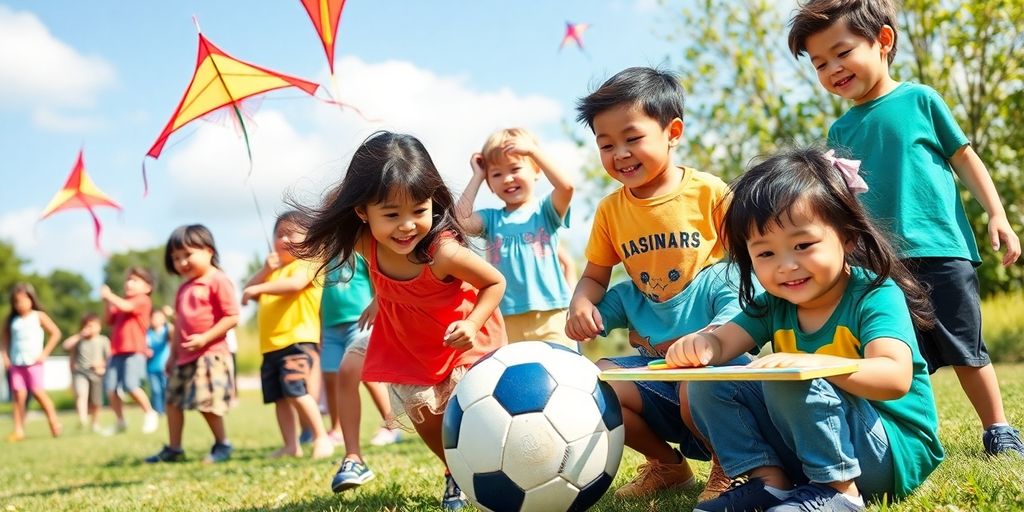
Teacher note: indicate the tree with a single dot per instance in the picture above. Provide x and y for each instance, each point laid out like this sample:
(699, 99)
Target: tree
(165, 284)
(748, 95)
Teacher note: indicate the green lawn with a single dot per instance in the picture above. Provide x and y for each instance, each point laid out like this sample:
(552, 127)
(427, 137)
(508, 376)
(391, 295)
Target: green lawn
(82, 471)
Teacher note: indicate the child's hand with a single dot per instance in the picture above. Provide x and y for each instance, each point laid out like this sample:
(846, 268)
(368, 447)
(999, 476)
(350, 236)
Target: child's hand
(273, 262)
(476, 162)
(459, 335)
(790, 360)
(6, 360)
(1000, 232)
(105, 292)
(368, 315)
(584, 321)
(520, 146)
(99, 368)
(167, 310)
(248, 294)
(690, 351)
(149, 353)
(194, 342)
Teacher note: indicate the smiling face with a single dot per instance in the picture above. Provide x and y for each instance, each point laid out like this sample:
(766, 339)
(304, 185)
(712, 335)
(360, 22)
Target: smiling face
(849, 65)
(192, 262)
(636, 149)
(801, 261)
(512, 179)
(135, 285)
(399, 222)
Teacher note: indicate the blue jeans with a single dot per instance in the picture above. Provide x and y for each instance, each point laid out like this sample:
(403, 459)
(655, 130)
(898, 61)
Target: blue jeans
(811, 429)
(158, 390)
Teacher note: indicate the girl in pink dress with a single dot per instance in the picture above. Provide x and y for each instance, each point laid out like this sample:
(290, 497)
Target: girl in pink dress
(436, 300)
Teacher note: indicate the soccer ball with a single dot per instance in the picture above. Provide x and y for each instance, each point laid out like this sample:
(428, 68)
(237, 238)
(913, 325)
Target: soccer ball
(530, 427)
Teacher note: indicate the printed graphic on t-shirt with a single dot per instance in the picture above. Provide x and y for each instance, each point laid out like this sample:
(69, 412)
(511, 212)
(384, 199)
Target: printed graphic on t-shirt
(539, 242)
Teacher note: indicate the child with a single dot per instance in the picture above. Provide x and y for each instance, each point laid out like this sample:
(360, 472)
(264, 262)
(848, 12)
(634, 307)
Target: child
(289, 321)
(158, 338)
(23, 353)
(662, 225)
(436, 299)
(522, 237)
(199, 367)
(832, 295)
(89, 352)
(129, 318)
(347, 309)
(911, 146)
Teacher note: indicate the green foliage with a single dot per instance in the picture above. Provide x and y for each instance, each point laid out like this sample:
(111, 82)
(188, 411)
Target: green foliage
(165, 284)
(1003, 327)
(747, 95)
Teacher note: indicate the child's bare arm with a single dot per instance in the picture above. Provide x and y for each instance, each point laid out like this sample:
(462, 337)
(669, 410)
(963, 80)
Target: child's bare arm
(219, 329)
(54, 332)
(452, 259)
(470, 220)
(72, 341)
(567, 265)
(584, 320)
(115, 300)
(972, 172)
(561, 195)
(704, 348)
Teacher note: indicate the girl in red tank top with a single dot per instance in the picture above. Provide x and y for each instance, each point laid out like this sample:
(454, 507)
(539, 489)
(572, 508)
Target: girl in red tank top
(436, 300)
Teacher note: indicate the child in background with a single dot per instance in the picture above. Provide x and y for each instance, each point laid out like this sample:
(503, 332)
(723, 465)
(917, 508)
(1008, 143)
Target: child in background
(199, 368)
(437, 301)
(289, 322)
(911, 147)
(23, 349)
(522, 237)
(158, 338)
(347, 309)
(835, 293)
(89, 352)
(663, 226)
(129, 318)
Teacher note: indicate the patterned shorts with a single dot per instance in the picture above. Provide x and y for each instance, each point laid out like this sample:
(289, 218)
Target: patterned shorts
(206, 384)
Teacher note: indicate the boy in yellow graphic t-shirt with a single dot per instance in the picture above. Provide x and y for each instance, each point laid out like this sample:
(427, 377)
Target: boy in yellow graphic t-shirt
(662, 225)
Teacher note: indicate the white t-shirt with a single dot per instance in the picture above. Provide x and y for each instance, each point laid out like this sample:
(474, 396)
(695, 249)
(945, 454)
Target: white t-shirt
(26, 339)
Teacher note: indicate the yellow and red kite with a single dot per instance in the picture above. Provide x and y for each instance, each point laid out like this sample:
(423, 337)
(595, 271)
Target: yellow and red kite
(80, 192)
(221, 81)
(574, 33)
(326, 14)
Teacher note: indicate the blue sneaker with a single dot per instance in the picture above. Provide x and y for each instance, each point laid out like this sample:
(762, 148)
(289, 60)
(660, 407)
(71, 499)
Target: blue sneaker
(817, 497)
(306, 436)
(167, 454)
(744, 495)
(350, 475)
(453, 498)
(1003, 439)
(219, 453)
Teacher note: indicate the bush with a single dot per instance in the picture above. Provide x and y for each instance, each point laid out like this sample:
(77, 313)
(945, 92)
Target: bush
(1002, 327)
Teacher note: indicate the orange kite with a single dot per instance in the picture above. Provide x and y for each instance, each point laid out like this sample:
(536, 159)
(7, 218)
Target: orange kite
(80, 192)
(326, 15)
(221, 81)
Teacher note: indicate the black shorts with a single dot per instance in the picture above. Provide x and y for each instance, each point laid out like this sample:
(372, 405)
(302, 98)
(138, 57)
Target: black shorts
(955, 340)
(284, 372)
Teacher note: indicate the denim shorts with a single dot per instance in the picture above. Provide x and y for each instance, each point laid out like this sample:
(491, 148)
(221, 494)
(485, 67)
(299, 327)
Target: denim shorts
(125, 372)
(334, 341)
(285, 372)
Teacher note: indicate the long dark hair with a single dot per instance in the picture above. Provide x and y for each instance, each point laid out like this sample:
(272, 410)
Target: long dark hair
(768, 192)
(27, 289)
(385, 162)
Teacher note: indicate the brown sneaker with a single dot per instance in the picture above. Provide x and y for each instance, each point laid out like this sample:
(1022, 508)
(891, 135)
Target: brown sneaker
(653, 476)
(718, 482)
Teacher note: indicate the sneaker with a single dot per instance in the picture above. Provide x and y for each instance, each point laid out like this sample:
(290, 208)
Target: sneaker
(219, 453)
(120, 426)
(718, 482)
(817, 497)
(350, 475)
(453, 498)
(1003, 439)
(167, 454)
(653, 476)
(306, 436)
(750, 495)
(336, 438)
(150, 422)
(386, 436)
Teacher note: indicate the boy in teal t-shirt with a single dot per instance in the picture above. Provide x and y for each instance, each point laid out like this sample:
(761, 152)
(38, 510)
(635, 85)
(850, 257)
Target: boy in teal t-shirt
(910, 147)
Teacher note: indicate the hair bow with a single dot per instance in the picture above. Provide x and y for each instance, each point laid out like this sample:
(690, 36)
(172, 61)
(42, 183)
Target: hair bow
(850, 169)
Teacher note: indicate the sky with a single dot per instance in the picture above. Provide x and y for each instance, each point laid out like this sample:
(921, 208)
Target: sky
(106, 75)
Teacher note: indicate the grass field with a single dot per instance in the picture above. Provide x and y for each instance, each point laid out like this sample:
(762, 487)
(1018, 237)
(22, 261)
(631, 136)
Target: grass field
(82, 471)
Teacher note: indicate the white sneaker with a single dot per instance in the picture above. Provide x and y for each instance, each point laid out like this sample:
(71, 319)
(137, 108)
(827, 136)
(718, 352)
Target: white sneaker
(150, 422)
(120, 426)
(386, 436)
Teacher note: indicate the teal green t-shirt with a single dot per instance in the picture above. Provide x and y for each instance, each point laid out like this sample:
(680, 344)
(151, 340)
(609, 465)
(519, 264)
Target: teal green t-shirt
(863, 315)
(904, 141)
(347, 292)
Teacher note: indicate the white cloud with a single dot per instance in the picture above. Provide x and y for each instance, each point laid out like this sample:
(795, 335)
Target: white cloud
(39, 71)
(55, 121)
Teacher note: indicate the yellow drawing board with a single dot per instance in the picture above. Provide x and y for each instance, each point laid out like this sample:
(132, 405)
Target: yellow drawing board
(728, 373)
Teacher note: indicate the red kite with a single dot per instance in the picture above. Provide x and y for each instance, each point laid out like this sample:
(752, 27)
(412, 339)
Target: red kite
(221, 81)
(574, 33)
(326, 14)
(80, 192)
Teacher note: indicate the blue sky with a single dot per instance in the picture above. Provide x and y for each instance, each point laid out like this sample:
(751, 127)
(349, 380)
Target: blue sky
(106, 75)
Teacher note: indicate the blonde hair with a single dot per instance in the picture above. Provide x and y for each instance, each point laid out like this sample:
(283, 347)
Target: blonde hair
(493, 149)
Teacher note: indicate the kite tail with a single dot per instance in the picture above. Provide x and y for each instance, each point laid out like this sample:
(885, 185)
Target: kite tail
(259, 215)
(341, 105)
(145, 179)
(97, 228)
(245, 135)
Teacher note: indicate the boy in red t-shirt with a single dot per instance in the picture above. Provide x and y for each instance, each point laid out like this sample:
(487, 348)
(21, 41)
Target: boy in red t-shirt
(128, 318)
